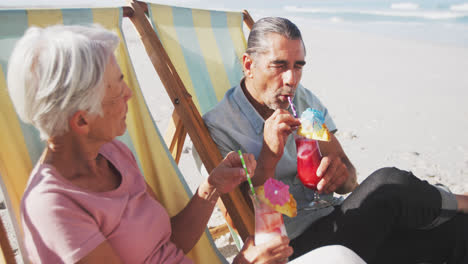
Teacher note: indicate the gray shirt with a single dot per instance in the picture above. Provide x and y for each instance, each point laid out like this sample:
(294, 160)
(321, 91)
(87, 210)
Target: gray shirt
(235, 124)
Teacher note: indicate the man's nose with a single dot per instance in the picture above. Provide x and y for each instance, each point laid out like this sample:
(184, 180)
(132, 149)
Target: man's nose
(290, 77)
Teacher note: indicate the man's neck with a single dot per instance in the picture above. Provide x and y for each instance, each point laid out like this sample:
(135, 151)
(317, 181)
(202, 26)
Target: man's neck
(264, 111)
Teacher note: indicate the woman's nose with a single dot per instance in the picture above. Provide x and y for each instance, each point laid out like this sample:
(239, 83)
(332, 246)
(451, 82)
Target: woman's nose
(128, 92)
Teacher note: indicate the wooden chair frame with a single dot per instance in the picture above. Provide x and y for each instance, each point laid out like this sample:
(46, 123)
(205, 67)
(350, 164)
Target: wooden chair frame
(187, 119)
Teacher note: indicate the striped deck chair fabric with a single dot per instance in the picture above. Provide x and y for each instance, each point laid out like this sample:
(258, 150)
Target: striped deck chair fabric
(20, 144)
(205, 47)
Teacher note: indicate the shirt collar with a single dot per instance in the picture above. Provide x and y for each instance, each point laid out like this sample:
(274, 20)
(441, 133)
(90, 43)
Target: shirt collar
(247, 109)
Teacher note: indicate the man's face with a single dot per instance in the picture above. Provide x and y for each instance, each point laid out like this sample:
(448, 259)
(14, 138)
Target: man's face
(276, 73)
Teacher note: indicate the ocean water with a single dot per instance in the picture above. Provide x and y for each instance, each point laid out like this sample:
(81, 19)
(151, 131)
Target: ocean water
(422, 11)
(437, 21)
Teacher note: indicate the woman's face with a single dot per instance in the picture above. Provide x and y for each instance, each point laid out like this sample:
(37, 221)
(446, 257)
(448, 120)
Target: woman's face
(114, 105)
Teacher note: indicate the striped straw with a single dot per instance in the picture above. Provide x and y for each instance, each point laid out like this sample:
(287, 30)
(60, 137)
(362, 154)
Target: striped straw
(292, 107)
(246, 172)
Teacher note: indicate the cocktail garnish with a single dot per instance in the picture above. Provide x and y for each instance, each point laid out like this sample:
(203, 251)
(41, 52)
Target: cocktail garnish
(313, 125)
(276, 191)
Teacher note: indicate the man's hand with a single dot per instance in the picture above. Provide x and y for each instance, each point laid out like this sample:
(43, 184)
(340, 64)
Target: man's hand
(230, 173)
(276, 131)
(337, 172)
(333, 172)
(275, 251)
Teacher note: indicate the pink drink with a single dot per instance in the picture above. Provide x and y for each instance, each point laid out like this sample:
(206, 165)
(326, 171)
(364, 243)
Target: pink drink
(268, 223)
(308, 161)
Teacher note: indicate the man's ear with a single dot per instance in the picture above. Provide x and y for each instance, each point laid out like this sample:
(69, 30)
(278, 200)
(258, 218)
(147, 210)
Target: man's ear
(247, 64)
(79, 122)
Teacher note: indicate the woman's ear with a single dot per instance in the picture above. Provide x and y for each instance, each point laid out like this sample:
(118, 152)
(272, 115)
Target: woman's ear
(247, 64)
(79, 122)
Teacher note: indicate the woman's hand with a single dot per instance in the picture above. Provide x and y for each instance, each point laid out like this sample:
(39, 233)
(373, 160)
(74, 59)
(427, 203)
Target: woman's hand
(230, 173)
(275, 251)
(190, 223)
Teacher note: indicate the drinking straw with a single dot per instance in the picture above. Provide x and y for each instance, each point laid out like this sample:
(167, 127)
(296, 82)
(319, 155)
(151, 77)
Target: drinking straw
(292, 107)
(246, 172)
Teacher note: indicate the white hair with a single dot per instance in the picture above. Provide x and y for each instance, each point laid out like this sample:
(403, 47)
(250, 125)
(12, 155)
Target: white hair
(55, 71)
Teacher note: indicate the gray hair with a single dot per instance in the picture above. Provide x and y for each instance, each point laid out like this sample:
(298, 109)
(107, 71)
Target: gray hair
(55, 71)
(257, 44)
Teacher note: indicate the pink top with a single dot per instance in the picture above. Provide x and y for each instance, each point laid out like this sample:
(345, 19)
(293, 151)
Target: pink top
(63, 223)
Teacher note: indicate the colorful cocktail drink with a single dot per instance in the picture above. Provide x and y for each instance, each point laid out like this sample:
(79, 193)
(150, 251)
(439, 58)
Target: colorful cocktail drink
(312, 128)
(308, 161)
(268, 222)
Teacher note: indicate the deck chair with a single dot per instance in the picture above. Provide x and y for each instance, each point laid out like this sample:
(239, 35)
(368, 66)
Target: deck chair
(198, 55)
(21, 147)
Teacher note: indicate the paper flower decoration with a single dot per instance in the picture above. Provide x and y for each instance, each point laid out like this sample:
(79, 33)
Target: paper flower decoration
(313, 125)
(276, 192)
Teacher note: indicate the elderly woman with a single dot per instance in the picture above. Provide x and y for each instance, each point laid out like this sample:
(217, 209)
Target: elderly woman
(86, 200)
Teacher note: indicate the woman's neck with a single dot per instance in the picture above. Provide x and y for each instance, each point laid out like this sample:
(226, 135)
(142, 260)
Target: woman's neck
(71, 156)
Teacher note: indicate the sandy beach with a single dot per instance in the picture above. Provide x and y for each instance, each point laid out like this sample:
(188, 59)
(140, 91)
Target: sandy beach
(396, 102)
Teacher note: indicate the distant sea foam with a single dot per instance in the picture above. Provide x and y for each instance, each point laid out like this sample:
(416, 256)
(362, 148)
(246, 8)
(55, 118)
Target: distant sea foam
(395, 12)
(438, 21)
(461, 7)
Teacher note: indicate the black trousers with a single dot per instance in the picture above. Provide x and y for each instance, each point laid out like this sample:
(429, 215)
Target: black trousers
(382, 219)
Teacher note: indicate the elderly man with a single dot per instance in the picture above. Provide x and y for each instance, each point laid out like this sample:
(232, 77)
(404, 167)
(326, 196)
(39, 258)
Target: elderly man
(391, 217)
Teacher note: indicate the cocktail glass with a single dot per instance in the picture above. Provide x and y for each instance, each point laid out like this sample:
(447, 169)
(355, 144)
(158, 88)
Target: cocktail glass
(268, 222)
(308, 161)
